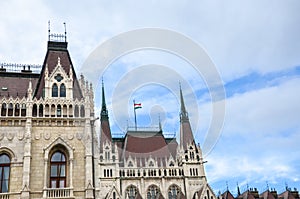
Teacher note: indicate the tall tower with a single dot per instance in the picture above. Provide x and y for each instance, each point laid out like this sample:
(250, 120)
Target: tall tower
(190, 157)
(49, 120)
(109, 183)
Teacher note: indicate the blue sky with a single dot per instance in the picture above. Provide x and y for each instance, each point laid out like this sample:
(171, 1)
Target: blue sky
(254, 45)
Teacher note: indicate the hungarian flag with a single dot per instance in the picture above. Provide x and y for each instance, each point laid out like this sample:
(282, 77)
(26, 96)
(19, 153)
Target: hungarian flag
(137, 105)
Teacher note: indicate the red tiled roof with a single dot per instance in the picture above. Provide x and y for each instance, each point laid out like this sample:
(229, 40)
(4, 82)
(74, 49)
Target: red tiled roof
(186, 134)
(105, 134)
(227, 195)
(142, 145)
(267, 195)
(172, 145)
(16, 84)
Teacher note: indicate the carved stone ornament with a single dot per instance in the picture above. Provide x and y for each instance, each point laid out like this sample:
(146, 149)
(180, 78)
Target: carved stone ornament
(70, 136)
(10, 136)
(79, 136)
(37, 135)
(47, 135)
(21, 135)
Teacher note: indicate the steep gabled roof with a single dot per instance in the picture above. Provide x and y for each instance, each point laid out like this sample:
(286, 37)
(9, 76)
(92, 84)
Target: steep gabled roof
(267, 195)
(172, 146)
(105, 133)
(55, 50)
(227, 195)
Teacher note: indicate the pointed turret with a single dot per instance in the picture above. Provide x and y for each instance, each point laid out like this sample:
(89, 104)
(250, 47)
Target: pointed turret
(186, 134)
(105, 134)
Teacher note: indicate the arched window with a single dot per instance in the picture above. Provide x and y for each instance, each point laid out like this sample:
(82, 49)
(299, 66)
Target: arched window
(34, 110)
(152, 192)
(41, 110)
(131, 192)
(47, 110)
(23, 110)
(4, 173)
(62, 90)
(54, 90)
(173, 192)
(58, 112)
(17, 109)
(76, 111)
(3, 110)
(58, 170)
(82, 113)
(10, 109)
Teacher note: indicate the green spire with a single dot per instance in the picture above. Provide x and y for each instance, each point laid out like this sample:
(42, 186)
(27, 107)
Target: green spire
(183, 112)
(104, 112)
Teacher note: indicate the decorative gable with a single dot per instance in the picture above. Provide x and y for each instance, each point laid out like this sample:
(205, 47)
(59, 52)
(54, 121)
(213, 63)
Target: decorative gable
(58, 84)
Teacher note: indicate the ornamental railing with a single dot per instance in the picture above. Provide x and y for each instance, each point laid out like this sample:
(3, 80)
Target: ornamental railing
(59, 193)
(4, 195)
(13, 67)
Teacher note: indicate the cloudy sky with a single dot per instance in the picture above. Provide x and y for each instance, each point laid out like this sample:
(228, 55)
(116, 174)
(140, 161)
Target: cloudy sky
(254, 46)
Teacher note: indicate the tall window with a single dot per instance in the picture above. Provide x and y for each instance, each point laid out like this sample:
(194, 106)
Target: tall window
(58, 113)
(4, 173)
(152, 192)
(54, 90)
(58, 170)
(173, 192)
(3, 110)
(62, 90)
(131, 192)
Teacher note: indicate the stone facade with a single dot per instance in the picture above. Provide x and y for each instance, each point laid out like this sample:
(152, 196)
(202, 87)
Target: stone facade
(47, 132)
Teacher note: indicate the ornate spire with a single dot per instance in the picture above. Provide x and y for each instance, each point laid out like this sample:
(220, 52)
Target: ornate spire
(186, 134)
(105, 134)
(183, 112)
(104, 112)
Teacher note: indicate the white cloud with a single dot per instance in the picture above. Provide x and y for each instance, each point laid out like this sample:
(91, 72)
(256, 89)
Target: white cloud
(241, 37)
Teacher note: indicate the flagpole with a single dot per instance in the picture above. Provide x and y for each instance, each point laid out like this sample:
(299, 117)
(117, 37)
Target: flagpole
(134, 116)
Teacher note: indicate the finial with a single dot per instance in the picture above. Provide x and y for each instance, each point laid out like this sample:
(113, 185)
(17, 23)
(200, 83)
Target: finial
(49, 30)
(227, 185)
(267, 185)
(65, 31)
(58, 60)
(238, 188)
(159, 122)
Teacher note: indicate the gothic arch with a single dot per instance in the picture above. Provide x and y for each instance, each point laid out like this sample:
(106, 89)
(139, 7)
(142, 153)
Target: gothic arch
(8, 151)
(131, 192)
(153, 192)
(59, 145)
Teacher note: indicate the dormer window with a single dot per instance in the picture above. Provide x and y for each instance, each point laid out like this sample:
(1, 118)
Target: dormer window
(58, 77)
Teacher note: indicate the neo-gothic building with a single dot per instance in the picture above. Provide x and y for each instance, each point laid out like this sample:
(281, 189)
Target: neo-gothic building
(49, 148)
